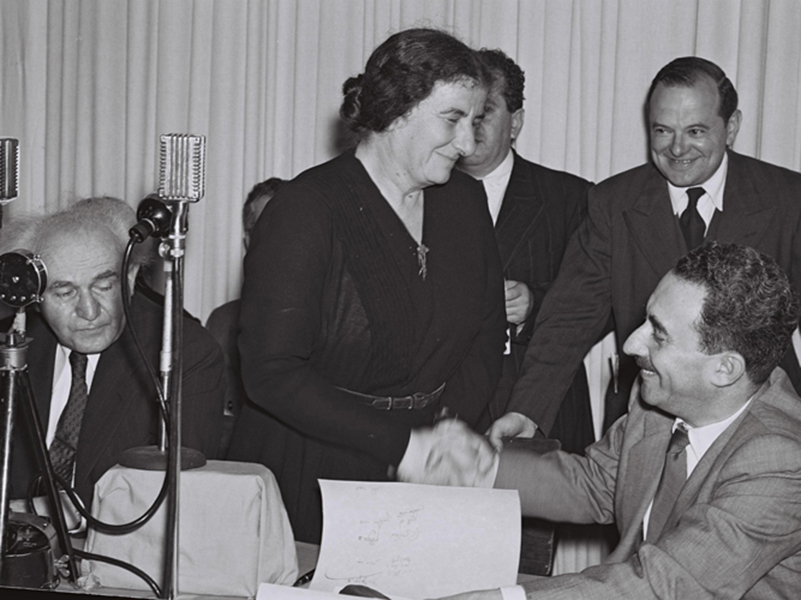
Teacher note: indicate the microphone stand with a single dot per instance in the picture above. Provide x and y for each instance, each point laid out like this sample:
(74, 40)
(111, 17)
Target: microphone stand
(15, 385)
(174, 248)
(169, 454)
(182, 164)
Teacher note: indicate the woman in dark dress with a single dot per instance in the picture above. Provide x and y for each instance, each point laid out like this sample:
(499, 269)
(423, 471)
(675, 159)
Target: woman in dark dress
(373, 292)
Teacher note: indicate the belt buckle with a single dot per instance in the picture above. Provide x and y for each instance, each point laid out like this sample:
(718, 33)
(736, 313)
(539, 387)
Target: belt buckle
(420, 400)
(404, 402)
(382, 403)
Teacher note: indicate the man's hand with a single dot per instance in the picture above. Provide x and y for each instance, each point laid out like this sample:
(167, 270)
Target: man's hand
(518, 302)
(450, 453)
(511, 424)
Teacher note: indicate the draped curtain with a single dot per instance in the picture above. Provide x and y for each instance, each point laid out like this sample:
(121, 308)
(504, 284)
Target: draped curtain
(89, 85)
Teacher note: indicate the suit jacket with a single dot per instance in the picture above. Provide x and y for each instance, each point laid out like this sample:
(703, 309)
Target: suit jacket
(223, 324)
(540, 211)
(735, 531)
(628, 241)
(121, 411)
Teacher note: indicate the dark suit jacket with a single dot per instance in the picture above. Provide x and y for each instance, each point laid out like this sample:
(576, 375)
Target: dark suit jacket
(223, 324)
(735, 531)
(540, 211)
(121, 411)
(628, 241)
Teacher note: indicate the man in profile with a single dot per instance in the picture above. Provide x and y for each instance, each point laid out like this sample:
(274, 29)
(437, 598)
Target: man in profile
(640, 222)
(703, 475)
(93, 393)
(535, 211)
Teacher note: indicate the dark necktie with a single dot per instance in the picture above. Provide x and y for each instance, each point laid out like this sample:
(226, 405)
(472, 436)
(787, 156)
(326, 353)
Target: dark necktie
(673, 477)
(692, 225)
(65, 444)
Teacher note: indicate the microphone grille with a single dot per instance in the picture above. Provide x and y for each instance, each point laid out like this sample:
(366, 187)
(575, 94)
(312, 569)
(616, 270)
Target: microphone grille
(182, 164)
(9, 169)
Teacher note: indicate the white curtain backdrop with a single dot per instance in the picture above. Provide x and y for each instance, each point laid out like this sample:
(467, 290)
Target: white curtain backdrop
(88, 86)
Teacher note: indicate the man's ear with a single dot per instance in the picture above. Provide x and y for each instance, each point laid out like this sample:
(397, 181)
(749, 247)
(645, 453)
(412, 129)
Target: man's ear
(733, 127)
(518, 117)
(729, 368)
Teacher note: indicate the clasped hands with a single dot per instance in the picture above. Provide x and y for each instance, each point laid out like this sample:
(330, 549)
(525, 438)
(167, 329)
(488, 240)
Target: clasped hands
(449, 453)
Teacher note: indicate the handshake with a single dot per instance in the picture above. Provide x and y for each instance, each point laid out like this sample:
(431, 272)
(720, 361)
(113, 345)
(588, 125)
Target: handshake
(449, 453)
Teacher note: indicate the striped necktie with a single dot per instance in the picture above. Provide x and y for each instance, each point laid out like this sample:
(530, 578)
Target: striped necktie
(65, 444)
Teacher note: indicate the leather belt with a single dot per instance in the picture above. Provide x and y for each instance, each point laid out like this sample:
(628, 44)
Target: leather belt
(416, 401)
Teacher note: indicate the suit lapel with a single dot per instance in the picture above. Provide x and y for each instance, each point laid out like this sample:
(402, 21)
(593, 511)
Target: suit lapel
(748, 205)
(41, 360)
(700, 475)
(653, 226)
(105, 412)
(522, 206)
(112, 398)
(645, 463)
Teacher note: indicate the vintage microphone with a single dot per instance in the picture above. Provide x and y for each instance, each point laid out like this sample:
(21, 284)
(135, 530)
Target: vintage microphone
(181, 181)
(182, 161)
(23, 278)
(9, 172)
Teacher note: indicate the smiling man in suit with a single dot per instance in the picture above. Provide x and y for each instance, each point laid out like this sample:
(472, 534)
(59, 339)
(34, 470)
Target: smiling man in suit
(535, 211)
(703, 475)
(93, 392)
(641, 221)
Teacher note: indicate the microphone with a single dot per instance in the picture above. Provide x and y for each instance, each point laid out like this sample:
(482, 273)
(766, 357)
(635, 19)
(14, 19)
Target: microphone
(182, 178)
(182, 166)
(9, 169)
(154, 217)
(23, 278)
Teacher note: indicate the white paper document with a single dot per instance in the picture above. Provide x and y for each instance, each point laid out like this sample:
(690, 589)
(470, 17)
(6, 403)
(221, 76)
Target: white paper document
(271, 591)
(417, 541)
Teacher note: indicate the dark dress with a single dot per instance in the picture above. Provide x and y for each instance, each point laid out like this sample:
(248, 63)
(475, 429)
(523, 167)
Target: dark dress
(334, 298)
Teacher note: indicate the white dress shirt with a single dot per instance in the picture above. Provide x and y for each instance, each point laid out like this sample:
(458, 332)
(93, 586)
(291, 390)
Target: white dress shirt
(62, 380)
(712, 198)
(495, 184)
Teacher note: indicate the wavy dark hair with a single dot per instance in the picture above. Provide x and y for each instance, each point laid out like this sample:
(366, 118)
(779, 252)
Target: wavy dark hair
(507, 75)
(750, 307)
(401, 72)
(687, 70)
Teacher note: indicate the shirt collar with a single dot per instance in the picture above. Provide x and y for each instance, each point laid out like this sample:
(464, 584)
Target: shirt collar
(502, 170)
(62, 358)
(702, 438)
(712, 186)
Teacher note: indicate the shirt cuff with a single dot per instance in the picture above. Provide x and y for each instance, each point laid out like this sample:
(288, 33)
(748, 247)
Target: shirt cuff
(488, 480)
(513, 592)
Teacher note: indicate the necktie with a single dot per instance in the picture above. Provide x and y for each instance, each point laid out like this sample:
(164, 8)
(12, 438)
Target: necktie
(692, 225)
(68, 430)
(674, 475)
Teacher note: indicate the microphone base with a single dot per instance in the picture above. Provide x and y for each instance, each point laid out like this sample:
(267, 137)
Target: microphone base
(152, 458)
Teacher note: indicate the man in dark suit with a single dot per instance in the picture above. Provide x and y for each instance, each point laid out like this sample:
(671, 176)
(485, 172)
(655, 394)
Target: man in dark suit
(702, 476)
(223, 322)
(80, 326)
(535, 211)
(635, 231)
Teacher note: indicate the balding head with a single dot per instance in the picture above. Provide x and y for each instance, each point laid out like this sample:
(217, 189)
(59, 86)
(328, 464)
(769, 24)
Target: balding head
(82, 249)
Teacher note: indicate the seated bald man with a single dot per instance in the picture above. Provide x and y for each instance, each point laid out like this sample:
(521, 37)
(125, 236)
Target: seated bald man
(703, 475)
(79, 328)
